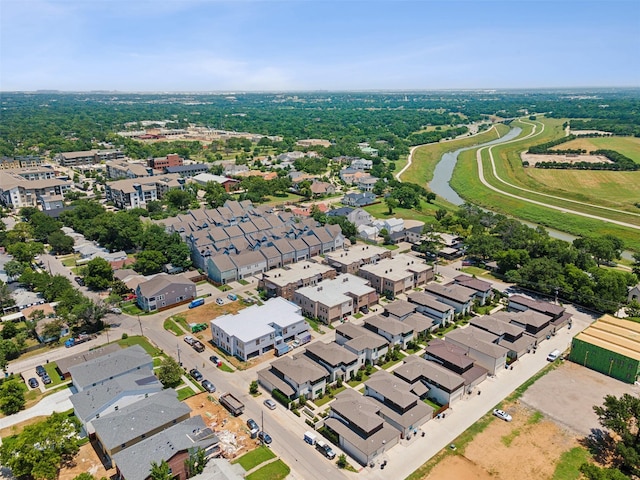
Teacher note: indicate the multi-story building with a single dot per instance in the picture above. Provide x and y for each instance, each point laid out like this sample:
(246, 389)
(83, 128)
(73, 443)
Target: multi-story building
(283, 282)
(171, 160)
(17, 192)
(335, 299)
(164, 291)
(123, 169)
(352, 259)
(88, 157)
(137, 192)
(259, 329)
(398, 274)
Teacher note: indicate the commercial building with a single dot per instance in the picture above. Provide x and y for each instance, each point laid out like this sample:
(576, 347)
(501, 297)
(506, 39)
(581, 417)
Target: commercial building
(398, 274)
(88, 157)
(283, 282)
(335, 299)
(610, 346)
(259, 329)
(171, 160)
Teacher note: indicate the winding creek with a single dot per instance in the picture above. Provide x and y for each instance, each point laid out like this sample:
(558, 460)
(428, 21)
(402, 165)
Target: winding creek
(444, 171)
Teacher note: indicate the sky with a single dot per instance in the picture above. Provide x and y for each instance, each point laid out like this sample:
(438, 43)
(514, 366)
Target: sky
(267, 45)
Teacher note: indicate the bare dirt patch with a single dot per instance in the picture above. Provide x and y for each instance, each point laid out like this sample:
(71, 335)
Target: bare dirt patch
(531, 449)
(234, 437)
(209, 311)
(87, 461)
(534, 158)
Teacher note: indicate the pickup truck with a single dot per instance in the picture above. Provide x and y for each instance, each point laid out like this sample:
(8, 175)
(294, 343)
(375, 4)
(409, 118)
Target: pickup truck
(83, 337)
(231, 403)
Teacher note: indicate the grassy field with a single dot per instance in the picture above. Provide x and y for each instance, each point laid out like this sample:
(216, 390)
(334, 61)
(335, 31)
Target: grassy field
(277, 470)
(254, 458)
(425, 158)
(628, 146)
(465, 180)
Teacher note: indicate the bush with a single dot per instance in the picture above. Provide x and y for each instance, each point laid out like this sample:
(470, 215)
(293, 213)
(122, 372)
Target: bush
(339, 383)
(281, 397)
(310, 423)
(124, 336)
(342, 461)
(296, 412)
(253, 387)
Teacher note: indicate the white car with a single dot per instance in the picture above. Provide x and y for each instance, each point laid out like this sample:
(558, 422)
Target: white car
(501, 414)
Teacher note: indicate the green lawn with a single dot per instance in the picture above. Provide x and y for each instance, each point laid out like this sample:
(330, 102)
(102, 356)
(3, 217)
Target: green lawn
(53, 374)
(185, 392)
(393, 362)
(182, 322)
(432, 404)
(628, 146)
(254, 458)
(132, 308)
(172, 326)
(277, 470)
(314, 324)
(355, 382)
(289, 197)
(142, 341)
(225, 368)
(568, 468)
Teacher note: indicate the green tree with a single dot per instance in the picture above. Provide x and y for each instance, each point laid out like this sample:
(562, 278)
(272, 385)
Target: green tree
(380, 187)
(593, 472)
(391, 203)
(6, 299)
(484, 246)
(12, 396)
(43, 226)
(632, 309)
(84, 476)
(52, 330)
(194, 465)
(9, 330)
(25, 252)
(149, 262)
(25, 453)
(98, 274)
(170, 373)
(342, 461)
(253, 387)
(61, 244)
(13, 268)
(160, 471)
(215, 195)
(622, 416)
(178, 199)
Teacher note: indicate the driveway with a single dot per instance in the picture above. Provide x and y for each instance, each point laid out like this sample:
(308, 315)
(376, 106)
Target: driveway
(56, 402)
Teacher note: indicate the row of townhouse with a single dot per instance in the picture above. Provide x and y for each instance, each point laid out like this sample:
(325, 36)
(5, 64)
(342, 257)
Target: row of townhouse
(131, 419)
(88, 157)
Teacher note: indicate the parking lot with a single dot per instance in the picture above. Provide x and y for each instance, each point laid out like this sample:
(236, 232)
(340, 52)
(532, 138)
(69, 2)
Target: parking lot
(567, 395)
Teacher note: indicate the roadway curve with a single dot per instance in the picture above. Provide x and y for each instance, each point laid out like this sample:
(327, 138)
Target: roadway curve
(535, 202)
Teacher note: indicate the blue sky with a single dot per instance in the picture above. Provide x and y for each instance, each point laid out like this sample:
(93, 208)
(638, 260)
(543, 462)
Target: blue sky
(210, 45)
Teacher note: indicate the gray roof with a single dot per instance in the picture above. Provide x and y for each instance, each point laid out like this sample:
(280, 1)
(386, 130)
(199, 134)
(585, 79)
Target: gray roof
(392, 388)
(400, 308)
(331, 353)
(419, 413)
(419, 322)
(456, 293)
(109, 366)
(359, 410)
(161, 283)
(276, 381)
(429, 301)
(134, 463)
(221, 469)
(417, 368)
(131, 422)
(90, 401)
(384, 436)
(477, 339)
(248, 258)
(64, 364)
(360, 338)
(299, 369)
(388, 324)
(543, 307)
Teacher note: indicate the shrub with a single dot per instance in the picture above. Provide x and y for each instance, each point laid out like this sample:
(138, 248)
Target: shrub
(253, 387)
(342, 461)
(296, 412)
(124, 336)
(281, 397)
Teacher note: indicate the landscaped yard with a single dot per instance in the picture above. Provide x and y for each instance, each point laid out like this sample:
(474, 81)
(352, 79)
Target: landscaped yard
(314, 324)
(172, 326)
(277, 470)
(254, 458)
(355, 382)
(53, 374)
(185, 392)
(142, 341)
(132, 308)
(393, 362)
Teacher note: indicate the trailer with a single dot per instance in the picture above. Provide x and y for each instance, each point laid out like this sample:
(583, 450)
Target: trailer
(231, 403)
(83, 337)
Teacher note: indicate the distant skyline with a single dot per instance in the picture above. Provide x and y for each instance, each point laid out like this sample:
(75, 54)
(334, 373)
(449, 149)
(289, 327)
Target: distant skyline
(266, 45)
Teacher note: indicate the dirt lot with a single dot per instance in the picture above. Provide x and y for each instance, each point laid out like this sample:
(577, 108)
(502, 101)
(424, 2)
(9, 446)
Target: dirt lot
(568, 393)
(533, 159)
(531, 448)
(232, 431)
(86, 461)
(209, 311)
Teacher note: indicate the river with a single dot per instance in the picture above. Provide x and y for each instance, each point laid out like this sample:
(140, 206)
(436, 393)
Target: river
(444, 171)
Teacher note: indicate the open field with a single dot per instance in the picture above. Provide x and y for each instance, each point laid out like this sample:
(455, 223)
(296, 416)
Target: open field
(425, 214)
(426, 157)
(628, 146)
(509, 167)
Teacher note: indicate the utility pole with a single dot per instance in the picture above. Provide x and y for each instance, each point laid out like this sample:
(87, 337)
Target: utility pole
(178, 347)
(140, 323)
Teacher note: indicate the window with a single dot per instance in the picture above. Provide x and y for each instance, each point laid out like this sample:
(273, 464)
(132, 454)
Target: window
(257, 342)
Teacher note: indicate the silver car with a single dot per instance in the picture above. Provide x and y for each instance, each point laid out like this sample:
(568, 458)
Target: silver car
(270, 404)
(501, 414)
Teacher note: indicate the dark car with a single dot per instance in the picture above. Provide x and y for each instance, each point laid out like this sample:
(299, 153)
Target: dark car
(251, 423)
(33, 382)
(40, 370)
(215, 360)
(196, 374)
(198, 346)
(208, 386)
(79, 281)
(46, 379)
(265, 437)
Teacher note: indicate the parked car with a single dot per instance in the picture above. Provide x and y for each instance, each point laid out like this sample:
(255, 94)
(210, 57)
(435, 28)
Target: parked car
(40, 370)
(216, 361)
(115, 310)
(270, 404)
(46, 379)
(252, 425)
(197, 346)
(195, 374)
(265, 437)
(232, 296)
(79, 281)
(219, 301)
(208, 386)
(325, 449)
(189, 340)
(501, 414)
(33, 382)
(364, 309)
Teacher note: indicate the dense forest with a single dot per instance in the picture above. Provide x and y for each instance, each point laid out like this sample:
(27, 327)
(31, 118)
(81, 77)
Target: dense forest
(35, 123)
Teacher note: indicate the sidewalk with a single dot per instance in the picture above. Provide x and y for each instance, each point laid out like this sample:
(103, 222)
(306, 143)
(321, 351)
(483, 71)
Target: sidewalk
(56, 402)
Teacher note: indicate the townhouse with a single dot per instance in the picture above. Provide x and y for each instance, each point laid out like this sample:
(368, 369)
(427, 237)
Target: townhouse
(483, 290)
(352, 259)
(455, 358)
(283, 282)
(295, 376)
(396, 332)
(337, 360)
(441, 313)
(397, 275)
(368, 346)
(442, 385)
(460, 298)
(164, 291)
(481, 346)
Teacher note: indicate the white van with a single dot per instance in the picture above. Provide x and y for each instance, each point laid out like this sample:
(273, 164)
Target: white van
(553, 356)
